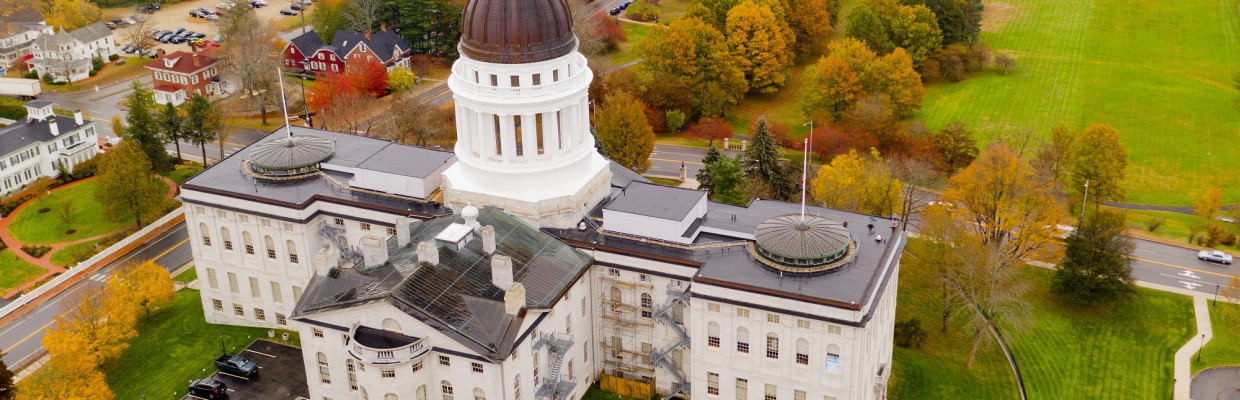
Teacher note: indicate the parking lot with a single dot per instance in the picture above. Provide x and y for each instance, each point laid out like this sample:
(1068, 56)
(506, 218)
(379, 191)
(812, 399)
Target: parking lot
(174, 16)
(281, 374)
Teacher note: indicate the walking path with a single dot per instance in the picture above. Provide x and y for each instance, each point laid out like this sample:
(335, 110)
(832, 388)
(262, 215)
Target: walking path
(45, 261)
(1184, 357)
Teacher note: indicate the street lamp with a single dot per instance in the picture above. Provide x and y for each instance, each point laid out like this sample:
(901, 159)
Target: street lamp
(1083, 202)
(1199, 348)
(222, 349)
(305, 102)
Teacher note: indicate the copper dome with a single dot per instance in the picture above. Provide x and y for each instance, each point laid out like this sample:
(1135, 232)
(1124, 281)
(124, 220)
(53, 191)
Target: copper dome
(517, 31)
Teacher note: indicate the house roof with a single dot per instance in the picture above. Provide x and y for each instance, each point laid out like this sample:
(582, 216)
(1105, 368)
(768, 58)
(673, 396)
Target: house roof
(654, 200)
(307, 43)
(382, 43)
(182, 62)
(91, 32)
(25, 15)
(25, 133)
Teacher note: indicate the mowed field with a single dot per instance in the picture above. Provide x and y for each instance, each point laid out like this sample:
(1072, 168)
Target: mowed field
(1158, 71)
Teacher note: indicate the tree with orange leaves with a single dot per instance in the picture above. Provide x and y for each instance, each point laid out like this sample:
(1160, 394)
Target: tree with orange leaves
(371, 80)
(90, 329)
(711, 129)
(65, 377)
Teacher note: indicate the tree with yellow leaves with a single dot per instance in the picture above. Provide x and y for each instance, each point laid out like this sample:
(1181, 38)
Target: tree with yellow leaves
(1005, 203)
(810, 24)
(1209, 204)
(138, 288)
(858, 183)
(89, 330)
(760, 45)
(829, 88)
(65, 377)
(1100, 159)
(71, 14)
(624, 132)
(694, 53)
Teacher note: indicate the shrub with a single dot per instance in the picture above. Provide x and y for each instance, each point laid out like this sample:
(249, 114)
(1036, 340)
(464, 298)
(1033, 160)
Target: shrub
(47, 78)
(31, 75)
(909, 334)
(1228, 240)
(675, 119)
(1154, 223)
(1214, 235)
(114, 57)
(96, 63)
(12, 111)
(84, 169)
(640, 10)
(93, 72)
(35, 251)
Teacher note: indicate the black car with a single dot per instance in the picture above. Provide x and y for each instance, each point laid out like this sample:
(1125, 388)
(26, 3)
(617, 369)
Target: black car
(204, 12)
(198, 35)
(193, 13)
(298, 7)
(288, 12)
(237, 365)
(208, 389)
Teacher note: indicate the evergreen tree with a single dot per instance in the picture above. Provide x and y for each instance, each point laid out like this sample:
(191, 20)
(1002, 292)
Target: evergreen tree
(204, 122)
(173, 127)
(761, 161)
(727, 179)
(1096, 265)
(143, 128)
(7, 387)
(705, 177)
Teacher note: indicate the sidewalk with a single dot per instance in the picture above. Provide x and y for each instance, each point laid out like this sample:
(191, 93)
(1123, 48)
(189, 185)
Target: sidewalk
(1184, 356)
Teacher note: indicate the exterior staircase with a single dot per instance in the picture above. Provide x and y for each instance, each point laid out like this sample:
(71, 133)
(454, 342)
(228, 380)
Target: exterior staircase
(555, 386)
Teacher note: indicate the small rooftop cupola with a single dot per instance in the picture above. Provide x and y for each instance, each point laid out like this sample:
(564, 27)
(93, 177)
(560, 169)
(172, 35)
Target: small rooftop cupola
(803, 243)
(39, 110)
(470, 213)
(289, 157)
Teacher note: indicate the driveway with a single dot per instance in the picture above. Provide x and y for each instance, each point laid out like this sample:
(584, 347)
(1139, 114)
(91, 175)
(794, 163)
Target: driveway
(177, 16)
(281, 374)
(1217, 384)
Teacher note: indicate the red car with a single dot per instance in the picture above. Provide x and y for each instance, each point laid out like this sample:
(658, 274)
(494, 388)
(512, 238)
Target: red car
(207, 43)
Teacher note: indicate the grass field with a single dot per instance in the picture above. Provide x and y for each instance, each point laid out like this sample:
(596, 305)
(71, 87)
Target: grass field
(1159, 72)
(175, 346)
(1224, 347)
(1175, 227)
(188, 276)
(34, 227)
(68, 255)
(185, 171)
(634, 33)
(14, 271)
(1121, 351)
(134, 67)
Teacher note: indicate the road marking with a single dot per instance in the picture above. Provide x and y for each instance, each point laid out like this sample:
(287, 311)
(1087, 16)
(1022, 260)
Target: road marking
(170, 249)
(1189, 274)
(261, 354)
(1180, 267)
(675, 161)
(1190, 285)
(36, 331)
(1151, 251)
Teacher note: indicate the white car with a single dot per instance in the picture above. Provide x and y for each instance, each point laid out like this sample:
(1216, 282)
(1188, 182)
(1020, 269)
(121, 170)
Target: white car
(1214, 256)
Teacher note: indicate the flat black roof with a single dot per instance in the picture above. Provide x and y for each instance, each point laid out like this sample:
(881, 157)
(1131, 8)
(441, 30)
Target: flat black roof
(654, 200)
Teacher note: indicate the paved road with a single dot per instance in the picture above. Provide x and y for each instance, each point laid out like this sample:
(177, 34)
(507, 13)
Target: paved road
(22, 338)
(666, 160)
(1177, 266)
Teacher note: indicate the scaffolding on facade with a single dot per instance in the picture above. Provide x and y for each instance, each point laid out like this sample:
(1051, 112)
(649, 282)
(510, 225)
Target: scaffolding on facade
(627, 324)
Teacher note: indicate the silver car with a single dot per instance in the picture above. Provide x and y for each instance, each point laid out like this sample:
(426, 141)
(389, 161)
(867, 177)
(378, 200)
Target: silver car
(1214, 256)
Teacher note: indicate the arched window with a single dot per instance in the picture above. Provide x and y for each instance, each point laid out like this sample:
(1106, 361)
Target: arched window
(772, 345)
(833, 358)
(678, 358)
(479, 395)
(616, 299)
(325, 375)
(742, 340)
(206, 234)
(802, 352)
(516, 387)
(249, 242)
(226, 238)
(364, 395)
(447, 390)
(647, 305)
(712, 334)
(421, 393)
(292, 251)
(271, 247)
(391, 396)
(391, 325)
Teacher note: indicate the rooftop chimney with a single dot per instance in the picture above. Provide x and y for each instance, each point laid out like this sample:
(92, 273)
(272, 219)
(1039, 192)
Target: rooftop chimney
(501, 271)
(514, 299)
(428, 253)
(488, 238)
(51, 124)
(77, 116)
(402, 231)
(383, 26)
(367, 34)
(196, 64)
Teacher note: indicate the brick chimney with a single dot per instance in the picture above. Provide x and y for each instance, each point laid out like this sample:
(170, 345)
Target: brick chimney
(428, 253)
(383, 26)
(196, 64)
(368, 34)
(488, 238)
(514, 299)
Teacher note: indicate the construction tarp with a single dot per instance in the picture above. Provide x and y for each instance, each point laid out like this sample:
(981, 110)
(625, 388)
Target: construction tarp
(627, 387)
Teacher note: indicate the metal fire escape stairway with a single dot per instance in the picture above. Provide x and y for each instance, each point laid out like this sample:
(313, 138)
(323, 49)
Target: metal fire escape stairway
(660, 356)
(555, 386)
(330, 232)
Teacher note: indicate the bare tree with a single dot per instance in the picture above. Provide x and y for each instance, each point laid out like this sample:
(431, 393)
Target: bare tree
(420, 124)
(253, 54)
(914, 174)
(1005, 61)
(139, 35)
(363, 13)
(64, 212)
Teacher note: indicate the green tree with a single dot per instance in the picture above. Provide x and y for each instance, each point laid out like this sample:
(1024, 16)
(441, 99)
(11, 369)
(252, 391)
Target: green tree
(759, 44)
(831, 87)
(675, 120)
(172, 125)
(761, 161)
(330, 16)
(955, 147)
(126, 189)
(8, 389)
(1099, 158)
(865, 25)
(142, 127)
(625, 133)
(704, 177)
(886, 25)
(696, 54)
(1096, 266)
(960, 20)
(727, 178)
(204, 121)
(429, 26)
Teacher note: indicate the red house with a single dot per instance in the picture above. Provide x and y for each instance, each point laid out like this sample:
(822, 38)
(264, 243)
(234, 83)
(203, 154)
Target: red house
(349, 51)
(178, 75)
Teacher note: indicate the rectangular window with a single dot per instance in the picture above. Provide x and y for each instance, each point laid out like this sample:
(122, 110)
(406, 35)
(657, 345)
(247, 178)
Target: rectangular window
(218, 305)
(742, 389)
(833, 362)
(712, 383)
(803, 323)
(537, 79)
(338, 221)
(296, 294)
(259, 314)
(275, 292)
(255, 292)
(798, 395)
(391, 231)
(365, 226)
(292, 258)
(742, 312)
(802, 358)
(288, 227)
(271, 253)
(391, 373)
(772, 318)
(266, 223)
(232, 283)
(555, 75)
(712, 341)
(211, 279)
(712, 307)
(647, 348)
(325, 374)
(643, 277)
(495, 80)
(514, 81)
(476, 367)
(742, 347)
(770, 392)
(227, 244)
(613, 272)
(417, 366)
(280, 320)
(833, 329)
(243, 217)
(829, 398)
(238, 310)
(445, 361)
(317, 332)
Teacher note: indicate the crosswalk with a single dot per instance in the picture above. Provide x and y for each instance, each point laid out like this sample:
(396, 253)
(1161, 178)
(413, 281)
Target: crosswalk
(98, 278)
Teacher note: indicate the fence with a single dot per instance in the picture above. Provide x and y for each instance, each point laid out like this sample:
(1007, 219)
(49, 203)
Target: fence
(88, 264)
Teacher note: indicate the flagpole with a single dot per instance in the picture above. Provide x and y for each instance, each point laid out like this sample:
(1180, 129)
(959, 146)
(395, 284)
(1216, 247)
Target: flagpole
(284, 103)
(805, 166)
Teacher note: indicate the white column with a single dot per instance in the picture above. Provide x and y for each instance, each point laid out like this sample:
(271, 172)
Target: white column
(566, 127)
(486, 133)
(508, 138)
(551, 134)
(464, 132)
(529, 136)
(583, 111)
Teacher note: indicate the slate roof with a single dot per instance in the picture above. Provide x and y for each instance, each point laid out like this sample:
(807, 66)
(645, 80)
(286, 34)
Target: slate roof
(456, 295)
(21, 134)
(621, 176)
(91, 33)
(382, 43)
(307, 43)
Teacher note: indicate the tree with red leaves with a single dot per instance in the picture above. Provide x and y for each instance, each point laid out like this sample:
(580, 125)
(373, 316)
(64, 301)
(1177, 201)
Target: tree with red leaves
(372, 80)
(711, 129)
(831, 141)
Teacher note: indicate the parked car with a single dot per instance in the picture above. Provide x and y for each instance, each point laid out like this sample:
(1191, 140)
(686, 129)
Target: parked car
(207, 43)
(177, 40)
(138, 18)
(120, 62)
(203, 11)
(152, 53)
(614, 11)
(296, 6)
(218, 39)
(288, 12)
(208, 389)
(144, 10)
(128, 21)
(110, 25)
(178, 30)
(212, 17)
(156, 6)
(236, 365)
(194, 13)
(1214, 256)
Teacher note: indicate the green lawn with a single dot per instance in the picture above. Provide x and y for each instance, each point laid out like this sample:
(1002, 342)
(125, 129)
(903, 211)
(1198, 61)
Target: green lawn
(69, 255)
(174, 347)
(628, 50)
(1121, 351)
(34, 227)
(1175, 227)
(183, 172)
(14, 271)
(664, 181)
(1224, 347)
(1160, 72)
(188, 276)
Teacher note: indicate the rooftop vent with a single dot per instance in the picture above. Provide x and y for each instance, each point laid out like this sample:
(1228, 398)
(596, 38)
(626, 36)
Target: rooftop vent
(428, 253)
(809, 243)
(455, 236)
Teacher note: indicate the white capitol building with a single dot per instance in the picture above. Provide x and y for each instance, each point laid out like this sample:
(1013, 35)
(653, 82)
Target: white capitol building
(524, 265)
